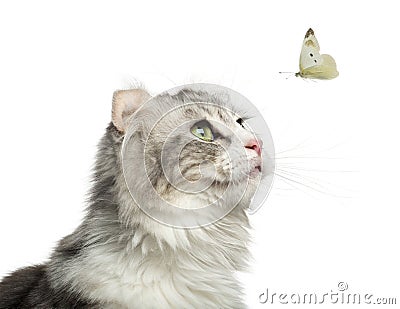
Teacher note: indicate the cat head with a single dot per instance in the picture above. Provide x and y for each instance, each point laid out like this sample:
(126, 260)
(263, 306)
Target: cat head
(188, 155)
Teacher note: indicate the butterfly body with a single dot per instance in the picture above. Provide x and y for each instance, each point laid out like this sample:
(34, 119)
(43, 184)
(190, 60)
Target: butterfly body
(312, 64)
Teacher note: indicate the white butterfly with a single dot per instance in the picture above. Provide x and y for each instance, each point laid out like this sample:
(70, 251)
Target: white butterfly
(312, 64)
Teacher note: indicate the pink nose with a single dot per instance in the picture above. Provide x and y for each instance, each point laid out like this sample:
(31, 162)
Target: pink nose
(255, 145)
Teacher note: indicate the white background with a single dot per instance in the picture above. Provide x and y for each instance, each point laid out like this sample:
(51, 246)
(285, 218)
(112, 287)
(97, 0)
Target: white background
(339, 220)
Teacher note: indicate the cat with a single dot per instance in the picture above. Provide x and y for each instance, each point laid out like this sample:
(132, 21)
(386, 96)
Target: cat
(130, 252)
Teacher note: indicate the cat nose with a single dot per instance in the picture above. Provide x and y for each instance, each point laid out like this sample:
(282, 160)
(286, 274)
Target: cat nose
(255, 145)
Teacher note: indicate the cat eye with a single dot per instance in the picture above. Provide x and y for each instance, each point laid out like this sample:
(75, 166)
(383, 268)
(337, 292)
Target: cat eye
(202, 130)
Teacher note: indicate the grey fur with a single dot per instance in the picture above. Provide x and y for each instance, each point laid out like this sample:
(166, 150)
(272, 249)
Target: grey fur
(199, 263)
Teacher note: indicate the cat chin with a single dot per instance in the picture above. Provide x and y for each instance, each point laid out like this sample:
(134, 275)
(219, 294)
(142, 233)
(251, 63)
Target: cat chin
(255, 173)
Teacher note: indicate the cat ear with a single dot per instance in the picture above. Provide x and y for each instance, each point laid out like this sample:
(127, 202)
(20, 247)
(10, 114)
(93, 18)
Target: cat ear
(124, 104)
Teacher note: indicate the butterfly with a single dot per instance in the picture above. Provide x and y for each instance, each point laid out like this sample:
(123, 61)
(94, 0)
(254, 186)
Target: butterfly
(312, 64)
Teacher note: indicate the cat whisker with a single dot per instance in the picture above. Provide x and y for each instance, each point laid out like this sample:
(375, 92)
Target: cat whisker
(296, 147)
(313, 158)
(290, 167)
(310, 179)
(309, 155)
(293, 186)
(290, 180)
(312, 183)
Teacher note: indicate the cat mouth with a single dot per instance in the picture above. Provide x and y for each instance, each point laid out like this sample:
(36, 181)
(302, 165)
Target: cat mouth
(255, 172)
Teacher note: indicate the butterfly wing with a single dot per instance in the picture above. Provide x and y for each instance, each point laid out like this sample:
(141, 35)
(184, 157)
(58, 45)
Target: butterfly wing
(312, 63)
(309, 55)
(325, 70)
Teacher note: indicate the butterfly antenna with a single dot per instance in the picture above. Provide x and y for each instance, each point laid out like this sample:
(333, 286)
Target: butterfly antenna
(291, 74)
